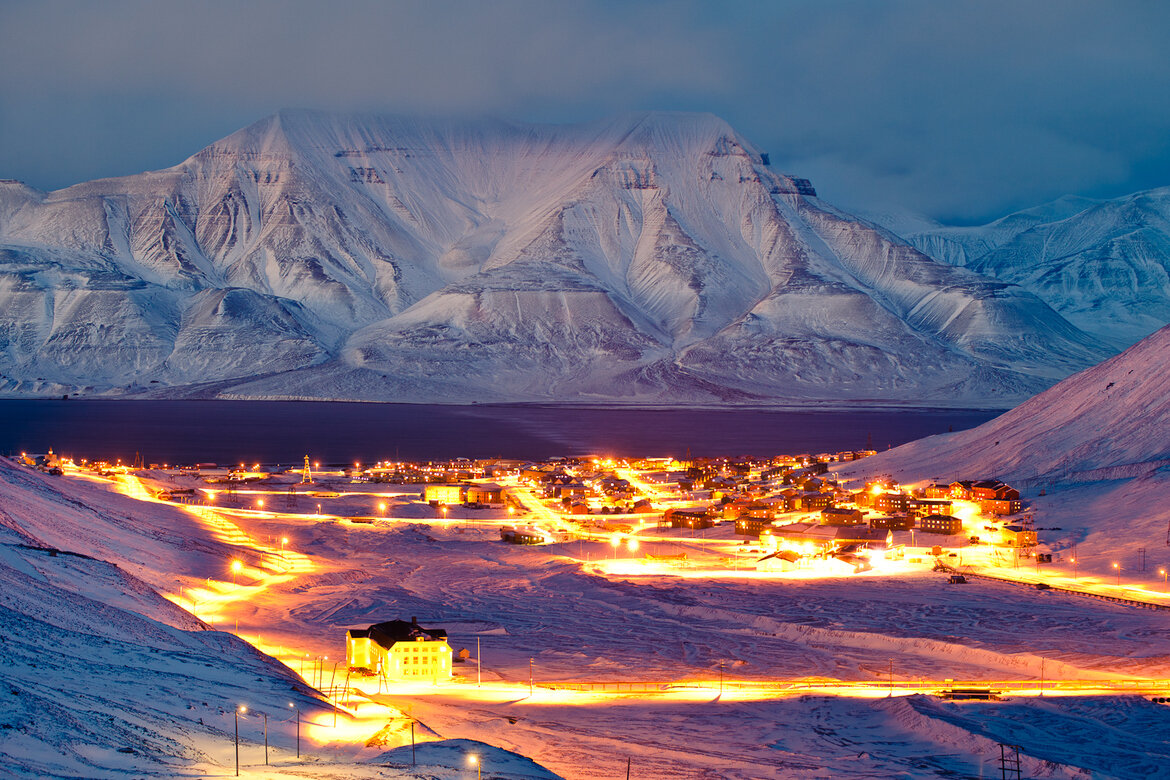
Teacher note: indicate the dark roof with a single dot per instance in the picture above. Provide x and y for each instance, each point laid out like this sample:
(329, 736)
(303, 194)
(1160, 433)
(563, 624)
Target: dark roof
(392, 631)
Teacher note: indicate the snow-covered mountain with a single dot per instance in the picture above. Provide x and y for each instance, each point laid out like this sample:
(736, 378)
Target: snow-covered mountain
(646, 258)
(1104, 265)
(1104, 423)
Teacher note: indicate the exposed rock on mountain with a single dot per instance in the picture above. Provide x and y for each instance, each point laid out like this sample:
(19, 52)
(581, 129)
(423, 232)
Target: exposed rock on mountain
(649, 258)
(1104, 265)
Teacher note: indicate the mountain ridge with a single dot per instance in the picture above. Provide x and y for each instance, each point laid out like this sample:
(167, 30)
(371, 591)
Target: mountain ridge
(648, 258)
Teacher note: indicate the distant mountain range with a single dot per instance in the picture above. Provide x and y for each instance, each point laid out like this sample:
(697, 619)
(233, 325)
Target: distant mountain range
(1104, 265)
(653, 258)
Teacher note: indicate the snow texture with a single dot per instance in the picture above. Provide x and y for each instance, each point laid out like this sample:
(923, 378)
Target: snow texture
(645, 258)
(1104, 265)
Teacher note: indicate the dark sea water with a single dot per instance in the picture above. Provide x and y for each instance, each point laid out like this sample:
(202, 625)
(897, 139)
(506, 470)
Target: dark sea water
(286, 431)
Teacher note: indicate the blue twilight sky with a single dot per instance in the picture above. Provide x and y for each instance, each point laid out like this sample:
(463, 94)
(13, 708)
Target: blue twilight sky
(959, 110)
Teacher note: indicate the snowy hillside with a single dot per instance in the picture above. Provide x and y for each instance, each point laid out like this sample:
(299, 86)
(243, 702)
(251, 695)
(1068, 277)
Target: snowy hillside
(1105, 265)
(1104, 423)
(645, 258)
(105, 675)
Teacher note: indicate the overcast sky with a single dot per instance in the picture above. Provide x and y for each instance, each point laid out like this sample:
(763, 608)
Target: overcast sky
(962, 111)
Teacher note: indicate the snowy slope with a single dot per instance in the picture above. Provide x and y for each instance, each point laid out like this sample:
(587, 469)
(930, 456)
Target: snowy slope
(102, 676)
(1107, 422)
(649, 257)
(1105, 265)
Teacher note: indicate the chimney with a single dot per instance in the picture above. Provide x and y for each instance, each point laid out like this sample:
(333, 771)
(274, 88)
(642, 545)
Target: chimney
(414, 621)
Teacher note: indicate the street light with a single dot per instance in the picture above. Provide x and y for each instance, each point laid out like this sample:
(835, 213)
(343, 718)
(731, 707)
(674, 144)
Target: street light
(283, 542)
(382, 508)
(1163, 573)
(632, 544)
(259, 503)
(1117, 566)
(241, 710)
(474, 761)
(616, 541)
(236, 566)
(298, 709)
(1074, 563)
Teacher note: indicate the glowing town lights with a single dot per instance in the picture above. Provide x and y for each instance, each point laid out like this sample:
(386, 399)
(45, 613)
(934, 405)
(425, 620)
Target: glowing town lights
(382, 507)
(473, 760)
(1117, 566)
(632, 544)
(259, 503)
(1163, 573)
(236, 566)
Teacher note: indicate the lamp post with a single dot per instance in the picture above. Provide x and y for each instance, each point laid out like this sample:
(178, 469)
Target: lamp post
(474, 761)
(260, 503)
(616, 542)
(632, 544)
(478, 665)
(1074, 563)
(265, 714)
(530, 686)
(236, 566)
(1163, 573)
(241, 710)
(1117, 566)
(298, 709)
(283, 542)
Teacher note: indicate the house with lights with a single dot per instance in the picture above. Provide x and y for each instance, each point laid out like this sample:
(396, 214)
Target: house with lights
(398, 650)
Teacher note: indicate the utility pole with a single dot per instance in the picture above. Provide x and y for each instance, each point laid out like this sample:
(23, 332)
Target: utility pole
(265, 714)
(530, 662)
(891, 678)
(413, 762)
(478, 665)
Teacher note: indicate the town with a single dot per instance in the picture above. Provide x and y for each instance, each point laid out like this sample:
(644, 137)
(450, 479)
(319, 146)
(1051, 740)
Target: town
(393, 588)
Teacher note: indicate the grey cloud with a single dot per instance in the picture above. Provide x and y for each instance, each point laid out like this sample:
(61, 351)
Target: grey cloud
(960, 110)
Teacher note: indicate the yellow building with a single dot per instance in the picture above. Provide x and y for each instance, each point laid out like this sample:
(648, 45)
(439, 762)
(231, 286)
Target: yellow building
(398, 650)
(444, 494)
(1018, 536)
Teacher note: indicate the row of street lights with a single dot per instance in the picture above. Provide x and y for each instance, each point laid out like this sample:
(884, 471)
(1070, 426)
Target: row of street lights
(243, 710)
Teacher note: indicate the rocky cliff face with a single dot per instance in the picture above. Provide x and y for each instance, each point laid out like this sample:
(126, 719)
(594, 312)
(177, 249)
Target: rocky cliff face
(648, 258)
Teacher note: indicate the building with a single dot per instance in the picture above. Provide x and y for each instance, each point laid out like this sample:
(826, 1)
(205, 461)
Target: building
(398, 650)
(782, 560)
(841, 516)
(1018, 536)
(680, 518)
(526, 535)
(892, 502)
(1000, 506)
(444, 494)
(892, 523)
(814, 500)
(752, 526)
(989, 489)
(940, 524)
(931, 506)
(831, 536)
(937, 490)
(485, 493)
